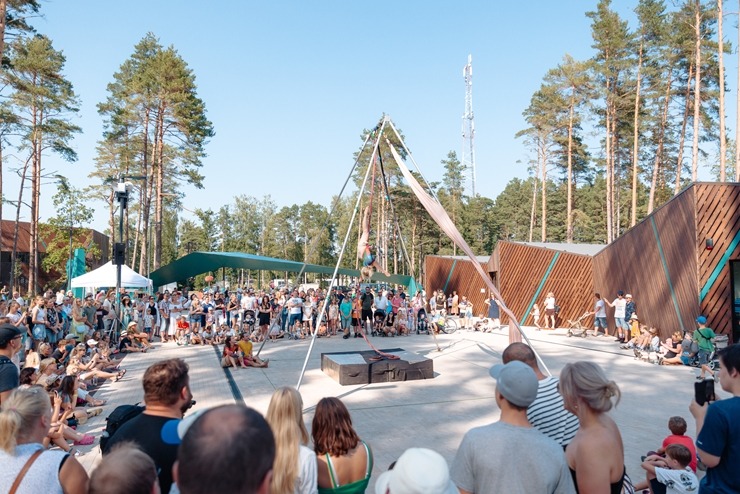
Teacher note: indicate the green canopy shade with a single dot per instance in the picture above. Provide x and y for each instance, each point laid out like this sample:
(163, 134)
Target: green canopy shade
(203, 262)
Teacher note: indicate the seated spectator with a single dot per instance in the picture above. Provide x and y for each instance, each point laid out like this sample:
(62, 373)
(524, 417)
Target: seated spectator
(486, 462)
(84, 371)
(671, 349)
(167, 397)
(125, 470)
(126, 344)
(417, 470)
(208, 337)
(231, 435)
(345, 461)
(547, 412)
(245, 346)
(25, 418)
(718, 430)
(588, 394)
(28, 376)
(677, 426)
(231, 355)
(138, 336)
(689, 349)
(295, 463)
(671, 474)
(63, 351)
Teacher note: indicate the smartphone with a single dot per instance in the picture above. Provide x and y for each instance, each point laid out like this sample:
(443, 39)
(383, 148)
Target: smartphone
(704, 392)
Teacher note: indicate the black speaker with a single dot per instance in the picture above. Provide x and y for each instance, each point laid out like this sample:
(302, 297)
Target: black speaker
(119, 253)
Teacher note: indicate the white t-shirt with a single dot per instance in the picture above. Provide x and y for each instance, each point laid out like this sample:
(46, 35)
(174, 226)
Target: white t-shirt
(620, 307)
(295, 305)
(678, 481)
(550, 303)
(305, 482)
(600, 308)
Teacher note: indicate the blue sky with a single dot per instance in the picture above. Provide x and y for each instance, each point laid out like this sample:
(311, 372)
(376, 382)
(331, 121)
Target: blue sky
(289, 86)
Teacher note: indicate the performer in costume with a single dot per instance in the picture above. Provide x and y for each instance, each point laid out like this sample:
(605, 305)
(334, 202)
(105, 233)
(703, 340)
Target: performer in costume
(366, 252)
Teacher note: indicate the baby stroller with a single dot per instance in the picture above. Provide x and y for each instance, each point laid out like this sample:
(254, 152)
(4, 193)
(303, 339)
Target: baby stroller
(379, 320)
(576, 327)
(422, 325)
(249, 321)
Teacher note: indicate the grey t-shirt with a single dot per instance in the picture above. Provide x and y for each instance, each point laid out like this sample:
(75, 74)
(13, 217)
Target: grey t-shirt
(8, 374)
(501, 457)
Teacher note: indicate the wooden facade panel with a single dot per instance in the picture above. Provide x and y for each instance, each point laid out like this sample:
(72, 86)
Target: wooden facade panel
(717, 218)
(450, 274)
(523, 269)
(658, 283)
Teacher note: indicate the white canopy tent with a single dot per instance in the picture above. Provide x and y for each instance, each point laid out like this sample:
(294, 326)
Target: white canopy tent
(105, 276)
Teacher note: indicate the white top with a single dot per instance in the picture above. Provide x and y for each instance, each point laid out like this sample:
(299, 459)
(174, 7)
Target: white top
(43, 476)
(677, 481)
(620, 307)
(306, 482)
(550, 303)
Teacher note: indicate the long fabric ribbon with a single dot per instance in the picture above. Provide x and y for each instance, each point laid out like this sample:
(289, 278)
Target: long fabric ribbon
(439, 215)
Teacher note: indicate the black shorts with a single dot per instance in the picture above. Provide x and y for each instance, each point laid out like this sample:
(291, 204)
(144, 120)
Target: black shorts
(355, 321)
(366, 314)
(264, 318)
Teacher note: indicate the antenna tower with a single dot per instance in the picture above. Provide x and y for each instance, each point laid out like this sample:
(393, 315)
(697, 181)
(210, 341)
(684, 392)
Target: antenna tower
(468, 124)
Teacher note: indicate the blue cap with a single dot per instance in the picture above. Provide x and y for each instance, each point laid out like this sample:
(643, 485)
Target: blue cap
(169, 433)
(701, 320)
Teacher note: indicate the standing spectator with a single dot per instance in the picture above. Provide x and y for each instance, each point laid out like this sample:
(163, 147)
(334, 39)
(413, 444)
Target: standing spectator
(620, 310)
(718, 430)
(550, 311)
(704, 338)
(630, 309)
(167, 396)
(547, 412)
(10, 345)
(164, 317)
(587, 394)
(345, 315)
(367, 299)
(599, 313)
(455, 311)
(25, 420)
(494, 312)
(231, 437)
(486, 462)
(294, 470)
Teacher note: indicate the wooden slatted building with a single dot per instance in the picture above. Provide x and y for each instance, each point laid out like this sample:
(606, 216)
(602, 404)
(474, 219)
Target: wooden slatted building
(678, 262)
(681, 261)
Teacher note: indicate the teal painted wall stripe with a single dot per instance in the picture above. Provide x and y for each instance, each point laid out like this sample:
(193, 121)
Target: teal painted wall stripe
(720, 265)
(449, 276)
(667, 274)
(539, 289)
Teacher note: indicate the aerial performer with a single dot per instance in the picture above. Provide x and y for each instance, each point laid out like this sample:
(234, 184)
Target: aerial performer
(366, 252)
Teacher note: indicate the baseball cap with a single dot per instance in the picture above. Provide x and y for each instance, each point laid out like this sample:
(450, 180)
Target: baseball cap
(701, 320)
(8, 332)
(417, 471)
(516, 381)
(173, 431)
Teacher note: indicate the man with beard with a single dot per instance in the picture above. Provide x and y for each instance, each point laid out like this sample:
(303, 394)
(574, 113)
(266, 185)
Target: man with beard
(167, 396)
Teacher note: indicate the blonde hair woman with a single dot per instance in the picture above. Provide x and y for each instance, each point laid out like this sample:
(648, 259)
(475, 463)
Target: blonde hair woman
(25, 419)
(294, 470)
(589, 395)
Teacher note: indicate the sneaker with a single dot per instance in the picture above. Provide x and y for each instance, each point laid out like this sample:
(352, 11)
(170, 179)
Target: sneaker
(345, 337)
(699, 378)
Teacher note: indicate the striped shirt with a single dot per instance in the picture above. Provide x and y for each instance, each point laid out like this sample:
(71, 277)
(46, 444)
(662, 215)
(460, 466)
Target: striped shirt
(549, 416)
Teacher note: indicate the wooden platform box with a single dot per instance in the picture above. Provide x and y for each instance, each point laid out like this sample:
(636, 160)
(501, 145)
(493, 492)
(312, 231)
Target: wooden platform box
(356, 367)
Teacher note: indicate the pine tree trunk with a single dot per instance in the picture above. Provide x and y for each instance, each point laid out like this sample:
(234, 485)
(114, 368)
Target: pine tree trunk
(16, 227)
(721, 60)
(697, 93)
(544, 193)
(661, 145)
(682, 138)
(534, 208)
(609, 170)
(569, 207)
(635, 139)
(160, 184)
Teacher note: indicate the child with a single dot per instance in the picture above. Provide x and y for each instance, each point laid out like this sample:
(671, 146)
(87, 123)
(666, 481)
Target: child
(208, 336)
(148, 321)
(401, 322)
(671, 475)
(183, 330)
(677, 426)
(333, 316)
(536, 316)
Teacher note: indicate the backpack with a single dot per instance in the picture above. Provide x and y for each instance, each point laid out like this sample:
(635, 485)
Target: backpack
(119, 416)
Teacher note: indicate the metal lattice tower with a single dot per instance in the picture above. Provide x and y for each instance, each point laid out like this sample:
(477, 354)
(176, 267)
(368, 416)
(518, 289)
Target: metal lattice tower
(468, 125)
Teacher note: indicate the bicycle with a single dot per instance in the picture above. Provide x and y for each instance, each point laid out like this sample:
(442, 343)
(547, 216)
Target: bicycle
(446, 324)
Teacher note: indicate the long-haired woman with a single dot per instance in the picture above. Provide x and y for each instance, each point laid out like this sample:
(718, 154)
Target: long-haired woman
(294, 470)
(25, 419)
(345, 461)
(589, 395)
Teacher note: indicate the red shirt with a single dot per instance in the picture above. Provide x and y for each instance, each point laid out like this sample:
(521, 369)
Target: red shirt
(685, 441)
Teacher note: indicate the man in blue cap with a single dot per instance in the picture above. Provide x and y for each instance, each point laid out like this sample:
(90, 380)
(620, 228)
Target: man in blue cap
(510, 455)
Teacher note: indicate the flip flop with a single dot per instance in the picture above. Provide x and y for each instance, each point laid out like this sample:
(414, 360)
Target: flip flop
(120, 375)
